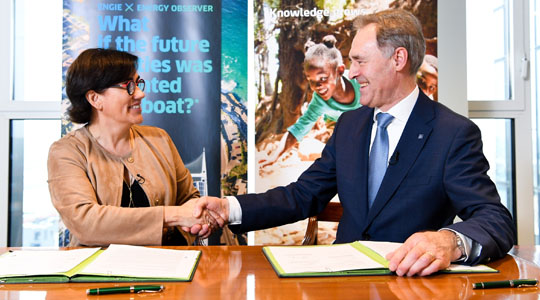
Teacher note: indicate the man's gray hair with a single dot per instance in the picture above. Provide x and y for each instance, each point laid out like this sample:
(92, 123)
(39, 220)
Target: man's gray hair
(397, 28)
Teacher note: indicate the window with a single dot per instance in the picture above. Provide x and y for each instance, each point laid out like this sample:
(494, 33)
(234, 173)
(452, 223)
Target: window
(33, 219)
(535, 41)
(497, 139)
(488, 49)
(30, 100)
(489, 79)
(37, 71)
(483, 62)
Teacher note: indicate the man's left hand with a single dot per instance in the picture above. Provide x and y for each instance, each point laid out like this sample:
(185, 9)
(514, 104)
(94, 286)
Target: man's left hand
(424, 253)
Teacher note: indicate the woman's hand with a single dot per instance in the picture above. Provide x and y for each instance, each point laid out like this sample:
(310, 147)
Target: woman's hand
(203, 224)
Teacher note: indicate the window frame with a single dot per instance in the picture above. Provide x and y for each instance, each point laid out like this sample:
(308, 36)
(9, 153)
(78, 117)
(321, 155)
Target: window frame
(11, 109)
(453, 93)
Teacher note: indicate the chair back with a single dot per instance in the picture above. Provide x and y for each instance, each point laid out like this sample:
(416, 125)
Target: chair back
(332, 213)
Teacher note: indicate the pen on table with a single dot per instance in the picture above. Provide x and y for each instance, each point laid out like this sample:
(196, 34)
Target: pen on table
(126, 289)
(515, 283)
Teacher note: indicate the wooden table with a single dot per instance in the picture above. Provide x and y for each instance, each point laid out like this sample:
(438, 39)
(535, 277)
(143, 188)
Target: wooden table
(242, 272)
(530, 253)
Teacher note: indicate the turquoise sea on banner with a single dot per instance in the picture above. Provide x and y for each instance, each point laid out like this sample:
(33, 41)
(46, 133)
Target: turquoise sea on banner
(234, 47)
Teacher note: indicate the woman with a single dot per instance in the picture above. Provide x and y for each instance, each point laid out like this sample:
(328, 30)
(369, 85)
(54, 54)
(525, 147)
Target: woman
(333, 93)
(114, 181)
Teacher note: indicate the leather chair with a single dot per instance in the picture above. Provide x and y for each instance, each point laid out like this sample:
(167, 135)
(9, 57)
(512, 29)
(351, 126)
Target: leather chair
(332, 212)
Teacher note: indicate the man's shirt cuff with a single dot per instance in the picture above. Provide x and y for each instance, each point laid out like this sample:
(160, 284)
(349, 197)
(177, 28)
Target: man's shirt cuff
(235, 211)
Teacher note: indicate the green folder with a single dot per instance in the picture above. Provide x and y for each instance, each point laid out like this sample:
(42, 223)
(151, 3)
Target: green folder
(333, 260)
(87, 269)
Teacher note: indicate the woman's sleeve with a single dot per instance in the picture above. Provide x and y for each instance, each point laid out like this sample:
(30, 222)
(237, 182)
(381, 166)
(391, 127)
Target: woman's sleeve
(81, 210)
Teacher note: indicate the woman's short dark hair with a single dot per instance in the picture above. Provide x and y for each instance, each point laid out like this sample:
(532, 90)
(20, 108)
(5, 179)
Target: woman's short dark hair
(95, 69)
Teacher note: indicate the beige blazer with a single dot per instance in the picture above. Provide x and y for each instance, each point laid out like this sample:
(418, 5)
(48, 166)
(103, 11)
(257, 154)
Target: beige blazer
(85, 182)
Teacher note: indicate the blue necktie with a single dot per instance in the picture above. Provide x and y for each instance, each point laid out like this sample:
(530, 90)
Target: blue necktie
(378, 157)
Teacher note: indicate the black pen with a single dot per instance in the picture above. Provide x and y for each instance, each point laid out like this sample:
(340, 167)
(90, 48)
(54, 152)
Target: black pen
(126, 289)
(515, 283)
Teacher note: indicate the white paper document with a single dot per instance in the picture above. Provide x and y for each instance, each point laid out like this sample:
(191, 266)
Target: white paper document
(322, 259)
(383, 248)
(138, 261)
(42, 262)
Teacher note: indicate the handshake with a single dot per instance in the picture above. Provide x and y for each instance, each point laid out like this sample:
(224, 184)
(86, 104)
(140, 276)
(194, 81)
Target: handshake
(199, 216)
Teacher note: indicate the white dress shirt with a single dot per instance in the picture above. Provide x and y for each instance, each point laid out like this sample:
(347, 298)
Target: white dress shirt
(401, 112)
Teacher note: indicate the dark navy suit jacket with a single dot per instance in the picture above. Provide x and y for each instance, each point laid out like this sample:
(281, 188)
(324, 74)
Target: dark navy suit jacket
(437, 171)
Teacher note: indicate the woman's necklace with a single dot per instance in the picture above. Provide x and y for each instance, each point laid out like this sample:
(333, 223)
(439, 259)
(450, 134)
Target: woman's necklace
(128, 175)
(130, 197)
(128, 180)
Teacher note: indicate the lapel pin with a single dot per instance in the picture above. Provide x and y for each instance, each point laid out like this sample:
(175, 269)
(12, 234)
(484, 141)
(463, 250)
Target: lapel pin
(420, 136)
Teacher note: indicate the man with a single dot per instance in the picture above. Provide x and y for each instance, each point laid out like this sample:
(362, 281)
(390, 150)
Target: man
(432, 167)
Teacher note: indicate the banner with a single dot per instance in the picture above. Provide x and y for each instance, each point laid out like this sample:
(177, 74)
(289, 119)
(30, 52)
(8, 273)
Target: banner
(195, 85)
(290, 132)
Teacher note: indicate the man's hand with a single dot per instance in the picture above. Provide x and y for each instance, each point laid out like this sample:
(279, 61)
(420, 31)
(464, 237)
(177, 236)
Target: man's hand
(204, 223)
(424, 253)
(213, 207)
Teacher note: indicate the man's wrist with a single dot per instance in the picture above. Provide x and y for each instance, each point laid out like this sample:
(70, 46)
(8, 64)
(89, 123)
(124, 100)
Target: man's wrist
(459, 252)
(460, 245)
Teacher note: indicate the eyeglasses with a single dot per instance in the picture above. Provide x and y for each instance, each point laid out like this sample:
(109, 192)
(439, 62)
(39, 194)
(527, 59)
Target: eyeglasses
(130, 86)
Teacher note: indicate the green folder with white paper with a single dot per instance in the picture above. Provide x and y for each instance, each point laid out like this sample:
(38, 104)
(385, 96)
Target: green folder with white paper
(351, 259)
(118, 263)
